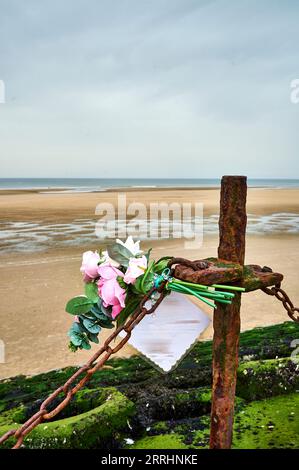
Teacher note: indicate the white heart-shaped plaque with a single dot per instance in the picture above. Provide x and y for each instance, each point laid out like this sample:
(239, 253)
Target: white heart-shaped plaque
(167, 335)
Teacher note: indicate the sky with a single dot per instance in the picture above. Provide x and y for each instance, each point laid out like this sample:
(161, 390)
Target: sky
(149, 88)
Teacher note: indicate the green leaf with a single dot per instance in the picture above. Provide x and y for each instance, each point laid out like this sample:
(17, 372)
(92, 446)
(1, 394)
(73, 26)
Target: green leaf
(121, 282)
(91, 326)
(107, 323)
(161, 264)
(85, 344)
(76, 328)
(79, 337)
(145, 282)
(78, 305)
(72, 347)
(91, 292)
(137, 286)
(148, 278)
(76, 340)
(98, 312)
(103, 319)
(131, 305)
(75, 336)
(120, 254)
(88, 315)
(147, 255)
(94, 338)
(107, 311)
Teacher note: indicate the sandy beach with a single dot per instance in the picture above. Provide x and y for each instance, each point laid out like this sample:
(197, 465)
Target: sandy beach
(35, 285)
(58, 206)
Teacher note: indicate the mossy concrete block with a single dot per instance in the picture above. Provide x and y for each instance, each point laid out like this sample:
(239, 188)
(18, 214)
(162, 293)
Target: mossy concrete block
(84, 400)
(180, 398)
(269, 342)
(194, 370)
(96, 428)
(261, 379)
(160, 403)
(263, 424)
(258, 343)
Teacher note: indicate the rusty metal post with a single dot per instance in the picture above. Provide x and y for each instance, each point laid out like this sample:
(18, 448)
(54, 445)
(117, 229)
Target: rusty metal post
(226, 321)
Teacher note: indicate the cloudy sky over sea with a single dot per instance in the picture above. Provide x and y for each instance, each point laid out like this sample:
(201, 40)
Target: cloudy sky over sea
(128, 88)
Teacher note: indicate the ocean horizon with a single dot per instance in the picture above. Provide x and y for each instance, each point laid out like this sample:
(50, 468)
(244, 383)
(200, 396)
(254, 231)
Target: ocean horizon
(103, 184)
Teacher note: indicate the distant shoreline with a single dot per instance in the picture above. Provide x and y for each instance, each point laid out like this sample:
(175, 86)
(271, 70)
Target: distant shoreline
(104, 185)
(116, 189)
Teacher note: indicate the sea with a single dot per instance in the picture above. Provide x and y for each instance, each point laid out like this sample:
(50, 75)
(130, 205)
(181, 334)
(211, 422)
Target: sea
(104, 184)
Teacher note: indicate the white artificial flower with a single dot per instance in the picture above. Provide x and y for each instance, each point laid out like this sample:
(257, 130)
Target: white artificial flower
(137, 267)
(133, 247)
(105, 259)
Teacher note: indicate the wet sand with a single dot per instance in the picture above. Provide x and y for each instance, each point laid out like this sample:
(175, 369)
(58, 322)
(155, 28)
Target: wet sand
(36, 286)
(56, 206)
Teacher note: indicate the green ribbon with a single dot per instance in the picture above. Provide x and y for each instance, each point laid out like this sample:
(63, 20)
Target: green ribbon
(203, 293)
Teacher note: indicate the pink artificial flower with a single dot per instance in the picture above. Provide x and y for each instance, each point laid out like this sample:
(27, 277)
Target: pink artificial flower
(90, 265)
(109, 289)
(137, 267)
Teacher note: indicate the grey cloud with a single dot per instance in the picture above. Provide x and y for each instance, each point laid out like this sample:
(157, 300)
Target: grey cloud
(106, 84)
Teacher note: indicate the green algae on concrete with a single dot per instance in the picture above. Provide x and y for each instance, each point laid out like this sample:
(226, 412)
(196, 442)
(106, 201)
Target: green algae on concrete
(84, 400)
(258, 343)
(92, 429)
(182, 396)
(264, 424)
(261, 379)
(268, 424)
(165, 441)
(160, 403)
(27, 389)
(183, 429)
(195, 370)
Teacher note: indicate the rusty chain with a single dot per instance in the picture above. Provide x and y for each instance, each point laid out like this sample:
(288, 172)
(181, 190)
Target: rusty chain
(88, 369)
(283, 297)
(280, 294)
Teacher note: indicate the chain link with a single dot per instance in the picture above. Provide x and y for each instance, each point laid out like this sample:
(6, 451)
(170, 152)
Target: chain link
(276, 290)
(283, 297)
(87, 369)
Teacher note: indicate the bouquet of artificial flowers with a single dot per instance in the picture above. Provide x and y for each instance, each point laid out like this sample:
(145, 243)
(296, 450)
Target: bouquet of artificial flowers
(116, 280)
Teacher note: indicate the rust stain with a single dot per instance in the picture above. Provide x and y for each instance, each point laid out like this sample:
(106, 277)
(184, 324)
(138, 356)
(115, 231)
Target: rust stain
(226, 321)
